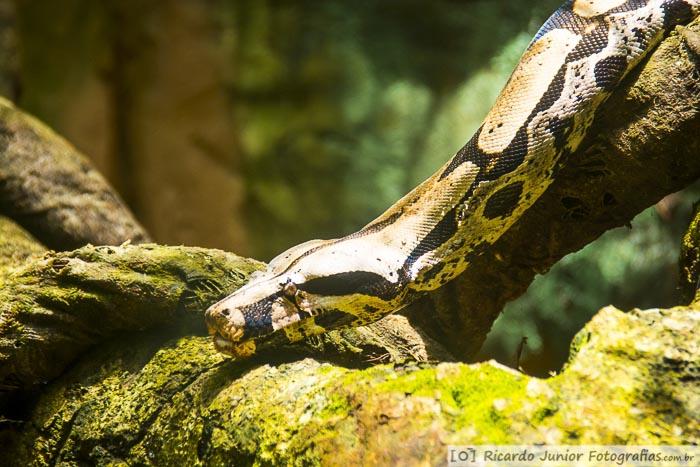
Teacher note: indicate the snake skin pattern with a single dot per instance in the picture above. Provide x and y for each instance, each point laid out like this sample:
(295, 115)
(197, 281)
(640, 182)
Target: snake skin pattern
(430, 235)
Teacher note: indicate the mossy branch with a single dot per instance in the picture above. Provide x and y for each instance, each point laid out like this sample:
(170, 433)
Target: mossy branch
(176, 401)
(57, 305)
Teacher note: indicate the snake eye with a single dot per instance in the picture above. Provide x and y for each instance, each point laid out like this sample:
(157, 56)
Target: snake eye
(289, 289)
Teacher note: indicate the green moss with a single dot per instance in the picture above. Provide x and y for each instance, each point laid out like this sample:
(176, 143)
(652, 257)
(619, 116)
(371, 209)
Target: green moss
(177, 401)
(473, 394)
(338, 406)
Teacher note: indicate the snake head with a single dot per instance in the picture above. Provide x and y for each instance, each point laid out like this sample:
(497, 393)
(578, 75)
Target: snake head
(261, 307)
(309, 289)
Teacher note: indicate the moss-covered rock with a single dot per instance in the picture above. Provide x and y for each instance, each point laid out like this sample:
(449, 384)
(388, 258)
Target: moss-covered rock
(162, 401)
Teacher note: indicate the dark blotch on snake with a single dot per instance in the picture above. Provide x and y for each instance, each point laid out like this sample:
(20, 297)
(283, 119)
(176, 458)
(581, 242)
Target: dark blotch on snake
(503, 202)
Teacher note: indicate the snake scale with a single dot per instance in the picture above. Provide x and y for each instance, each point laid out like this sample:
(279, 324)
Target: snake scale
(428, 237)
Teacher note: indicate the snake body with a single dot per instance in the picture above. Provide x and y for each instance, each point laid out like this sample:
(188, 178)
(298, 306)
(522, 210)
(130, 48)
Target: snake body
(428, 237)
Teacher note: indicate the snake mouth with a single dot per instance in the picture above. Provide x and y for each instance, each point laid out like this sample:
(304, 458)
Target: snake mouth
(220, 342)
(238, 349)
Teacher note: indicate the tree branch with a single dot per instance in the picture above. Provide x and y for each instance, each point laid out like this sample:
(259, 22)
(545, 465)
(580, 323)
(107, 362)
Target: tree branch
(54, 192)
(56, 306)
(150, 400)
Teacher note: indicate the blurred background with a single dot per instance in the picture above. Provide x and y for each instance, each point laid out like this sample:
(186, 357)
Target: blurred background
(253, 125)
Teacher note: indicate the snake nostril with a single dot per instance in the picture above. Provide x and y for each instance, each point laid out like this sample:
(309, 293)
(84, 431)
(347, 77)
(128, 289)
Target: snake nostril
(226, 312)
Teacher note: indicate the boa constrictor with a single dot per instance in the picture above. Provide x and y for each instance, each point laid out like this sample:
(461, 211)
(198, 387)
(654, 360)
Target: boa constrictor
(429, 236)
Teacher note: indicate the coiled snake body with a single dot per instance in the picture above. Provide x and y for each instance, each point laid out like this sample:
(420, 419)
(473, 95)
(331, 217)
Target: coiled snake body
(429, 236)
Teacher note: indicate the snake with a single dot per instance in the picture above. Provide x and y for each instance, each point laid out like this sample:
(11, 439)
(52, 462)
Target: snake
(431, 235)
